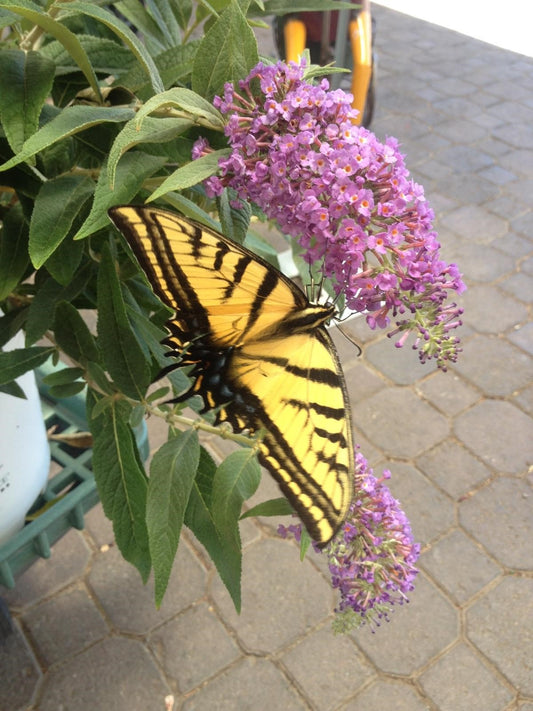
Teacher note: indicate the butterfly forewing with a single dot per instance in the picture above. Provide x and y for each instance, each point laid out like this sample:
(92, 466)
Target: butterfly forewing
(278, 360)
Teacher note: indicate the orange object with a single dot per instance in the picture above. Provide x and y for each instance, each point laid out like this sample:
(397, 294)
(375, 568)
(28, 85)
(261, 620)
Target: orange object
(360, 31)
(295, 37)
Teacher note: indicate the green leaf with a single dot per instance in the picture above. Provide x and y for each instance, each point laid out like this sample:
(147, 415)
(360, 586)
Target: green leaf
(282, 7)
(25, 82)
(226, 556)
(106, 56)
(273, 507)
(19, 361)
(190, 174)
(68, 39)
(67, 389)
(151, 130)
(236, 479)
(172, 475)
(58, 203)
(220, 58)
(184, 100)
(13, 250)
(121, 481)
(42, 309)
(124, 33)
(65, 260)
(235, 222)
(122, 354)
(70, 121)
(62, 376)
(131, 172)
(72, 334)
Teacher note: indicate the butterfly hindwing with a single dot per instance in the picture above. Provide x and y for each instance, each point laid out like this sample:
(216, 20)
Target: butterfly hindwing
(253, 329)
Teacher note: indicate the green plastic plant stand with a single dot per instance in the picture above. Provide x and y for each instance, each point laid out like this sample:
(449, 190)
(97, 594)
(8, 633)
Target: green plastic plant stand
(73, 488)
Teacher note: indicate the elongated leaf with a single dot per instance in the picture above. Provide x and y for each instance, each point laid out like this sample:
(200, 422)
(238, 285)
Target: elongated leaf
(19, 361)
(121, 481)
(68, 39)
(220, 58)
(124, 33)
(42, 308)
(190, 174)
(131, 172)
(56, 206)
(172, 475)
(185, 100)
(123, 356)
(72, 334)
(106, 55)
(236, 479)
(70, 121)
(65, 260)
(273, 507)
(150, 131)
(224, 552)
(13, 250)
(25, 82)
(282, 7)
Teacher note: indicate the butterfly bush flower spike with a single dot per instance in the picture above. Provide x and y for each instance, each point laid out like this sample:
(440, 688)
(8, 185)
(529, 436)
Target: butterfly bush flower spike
(347, 199)
(372, 558)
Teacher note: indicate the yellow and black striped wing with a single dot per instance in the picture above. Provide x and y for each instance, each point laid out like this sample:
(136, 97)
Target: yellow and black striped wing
(262, 356)
(214, 285)
(299, 399)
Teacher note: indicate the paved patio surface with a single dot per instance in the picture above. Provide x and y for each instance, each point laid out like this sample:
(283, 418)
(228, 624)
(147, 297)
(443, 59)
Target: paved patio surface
(88, 637)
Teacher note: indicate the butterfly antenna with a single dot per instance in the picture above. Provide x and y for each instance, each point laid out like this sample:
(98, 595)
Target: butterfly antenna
(349, 338)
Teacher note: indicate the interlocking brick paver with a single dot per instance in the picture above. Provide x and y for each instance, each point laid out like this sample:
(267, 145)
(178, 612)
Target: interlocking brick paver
(129, 604)
(330, 669)
(382, 417)
(501, 516)
(416, 633)
(459, 566)
(498, 433)
(193, 647)
(64, 625)
(277, 608)
(396, 695)
(500, 626)
(87, 634)
(459, 681)
(117, 674)
(251, 684)
(481, 364)
(19, 672)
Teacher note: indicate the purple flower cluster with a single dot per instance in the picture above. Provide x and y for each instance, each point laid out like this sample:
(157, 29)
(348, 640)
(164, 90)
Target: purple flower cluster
(345, 196)
(372, 558)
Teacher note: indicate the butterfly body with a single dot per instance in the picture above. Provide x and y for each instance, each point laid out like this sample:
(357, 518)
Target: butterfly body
(260, 354)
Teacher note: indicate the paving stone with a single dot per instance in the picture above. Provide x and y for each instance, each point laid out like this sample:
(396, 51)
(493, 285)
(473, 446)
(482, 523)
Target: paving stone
(497, 175)
(453, 468)
(129, 604)
(496, 431)
(398, 422)
(254, 684)
(429, 510)
(481, 364)
(467, 188)
(281, 597)
(400, 365)
(19, 672)
(362, 382)
(69, 559)
(519, 161)
(459, 681)
(329, 668)
(524, 225)
(416, 633)
(525, 399)
(518, 285)
(490, 310)
(469, 131)
(449, 393)
(382, 694)
(500, 626)
(523, 337)
(99, 527)
(64, 625)
(193, 647)
(117, 674)
(459, 566)
(476, 224)
(501, 517)
(492, 266)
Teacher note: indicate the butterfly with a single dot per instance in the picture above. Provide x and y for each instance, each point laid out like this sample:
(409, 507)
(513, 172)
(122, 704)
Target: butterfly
(260, 356)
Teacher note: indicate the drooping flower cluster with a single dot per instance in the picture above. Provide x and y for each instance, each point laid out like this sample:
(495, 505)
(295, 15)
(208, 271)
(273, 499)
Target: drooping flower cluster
(345, 196)
(372, 558)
